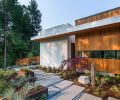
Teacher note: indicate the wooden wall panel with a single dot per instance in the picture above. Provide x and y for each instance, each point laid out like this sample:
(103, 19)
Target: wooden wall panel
(108, 39)
(107, 65)
(103, 15)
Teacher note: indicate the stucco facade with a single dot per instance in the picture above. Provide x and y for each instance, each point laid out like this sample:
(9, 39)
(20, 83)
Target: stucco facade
(53, 52)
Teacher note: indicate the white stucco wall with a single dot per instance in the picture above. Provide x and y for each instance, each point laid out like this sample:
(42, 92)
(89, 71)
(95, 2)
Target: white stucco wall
(53, 52)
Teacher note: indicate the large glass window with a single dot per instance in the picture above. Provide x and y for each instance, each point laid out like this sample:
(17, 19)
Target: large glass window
(110, 54)
(107, 54)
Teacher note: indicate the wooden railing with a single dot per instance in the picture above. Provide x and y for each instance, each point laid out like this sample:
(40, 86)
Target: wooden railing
(28, 61)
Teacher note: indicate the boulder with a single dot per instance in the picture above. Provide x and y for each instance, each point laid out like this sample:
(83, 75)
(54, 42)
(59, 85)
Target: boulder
(84, 80)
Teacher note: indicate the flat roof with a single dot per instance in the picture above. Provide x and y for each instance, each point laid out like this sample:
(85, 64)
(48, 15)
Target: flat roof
(104, 23)
(98, 13)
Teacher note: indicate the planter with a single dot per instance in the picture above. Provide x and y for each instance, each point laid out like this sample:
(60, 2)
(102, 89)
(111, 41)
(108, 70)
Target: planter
(36, 94)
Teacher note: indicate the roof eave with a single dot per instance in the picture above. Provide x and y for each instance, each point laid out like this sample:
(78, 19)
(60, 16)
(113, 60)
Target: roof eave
(92, 26)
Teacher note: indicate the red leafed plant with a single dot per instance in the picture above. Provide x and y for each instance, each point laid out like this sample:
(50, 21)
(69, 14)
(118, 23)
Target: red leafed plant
(80, 64)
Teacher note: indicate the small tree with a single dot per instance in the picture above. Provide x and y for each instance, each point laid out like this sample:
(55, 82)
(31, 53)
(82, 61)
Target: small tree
(79, 64)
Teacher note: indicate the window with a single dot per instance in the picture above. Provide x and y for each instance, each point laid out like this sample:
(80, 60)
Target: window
(110, 54)
(107, 54)
(118, 55)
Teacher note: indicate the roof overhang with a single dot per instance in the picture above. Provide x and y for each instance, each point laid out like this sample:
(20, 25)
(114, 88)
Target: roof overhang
(92, 26)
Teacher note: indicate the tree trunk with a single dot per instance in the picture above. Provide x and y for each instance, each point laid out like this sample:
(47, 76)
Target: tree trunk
(5, 53)
(92, 74)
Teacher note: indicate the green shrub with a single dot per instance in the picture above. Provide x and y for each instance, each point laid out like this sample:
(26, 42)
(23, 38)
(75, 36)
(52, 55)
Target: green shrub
(3, 85)
(99, 92)
(6, 73)
(118, 77)
(115, 89)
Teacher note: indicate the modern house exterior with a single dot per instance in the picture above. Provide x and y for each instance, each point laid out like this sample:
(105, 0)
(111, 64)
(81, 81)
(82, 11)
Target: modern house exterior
(96, 37)
(55, 50)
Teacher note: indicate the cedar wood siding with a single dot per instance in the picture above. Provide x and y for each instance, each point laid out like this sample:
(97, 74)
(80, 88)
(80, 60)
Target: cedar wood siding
(105, 39)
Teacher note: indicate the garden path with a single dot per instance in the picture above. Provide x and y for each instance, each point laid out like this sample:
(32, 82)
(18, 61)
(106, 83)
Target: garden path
(58, 89)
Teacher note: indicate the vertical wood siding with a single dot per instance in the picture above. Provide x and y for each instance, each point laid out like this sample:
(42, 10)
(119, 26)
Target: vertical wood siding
(108, 39)
(103, 15)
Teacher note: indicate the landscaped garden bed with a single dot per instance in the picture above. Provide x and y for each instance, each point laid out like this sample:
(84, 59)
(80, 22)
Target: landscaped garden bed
(104, 86)
(16, 86)
(96, 91)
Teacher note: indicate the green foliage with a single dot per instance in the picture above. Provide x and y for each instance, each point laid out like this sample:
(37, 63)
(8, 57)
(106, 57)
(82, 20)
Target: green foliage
(30, 54)
(22, 23)
(115, 88)
(3, 85)
(99, 92)
(9, 93)
(5, 74)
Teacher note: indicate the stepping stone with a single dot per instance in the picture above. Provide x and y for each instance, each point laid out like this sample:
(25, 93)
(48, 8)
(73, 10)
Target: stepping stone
(89, 97)
(63, 84)
(38, 71)
(69, 93)
(49, 81)
(110, 98)
(45, 77)
(52, 91)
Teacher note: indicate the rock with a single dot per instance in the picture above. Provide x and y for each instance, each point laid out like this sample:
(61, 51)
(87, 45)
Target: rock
(84, 80)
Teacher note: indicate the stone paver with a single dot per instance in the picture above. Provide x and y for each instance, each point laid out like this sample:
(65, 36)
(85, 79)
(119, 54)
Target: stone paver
(110, 98)
(58, 89)
(69, 93)
(49, 81)
(46, 75)
(89, 97)
(52, 91)
(63, 84)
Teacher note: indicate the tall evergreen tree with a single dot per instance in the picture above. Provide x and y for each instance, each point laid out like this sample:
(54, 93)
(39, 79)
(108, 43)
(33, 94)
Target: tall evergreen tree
(22, 22)
(5, 23)
(35, 16)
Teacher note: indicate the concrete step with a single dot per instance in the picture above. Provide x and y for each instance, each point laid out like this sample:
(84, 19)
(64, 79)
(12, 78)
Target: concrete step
(58, 88)
(68, 94)
(64, 84)
(49, 81)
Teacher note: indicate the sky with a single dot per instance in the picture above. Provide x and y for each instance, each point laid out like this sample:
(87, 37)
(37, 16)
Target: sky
(56, 12)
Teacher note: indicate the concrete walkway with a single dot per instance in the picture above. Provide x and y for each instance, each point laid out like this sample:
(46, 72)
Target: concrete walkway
(58, 89)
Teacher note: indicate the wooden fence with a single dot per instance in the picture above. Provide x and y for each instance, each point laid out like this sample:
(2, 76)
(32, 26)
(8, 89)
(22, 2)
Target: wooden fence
(28, 61)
